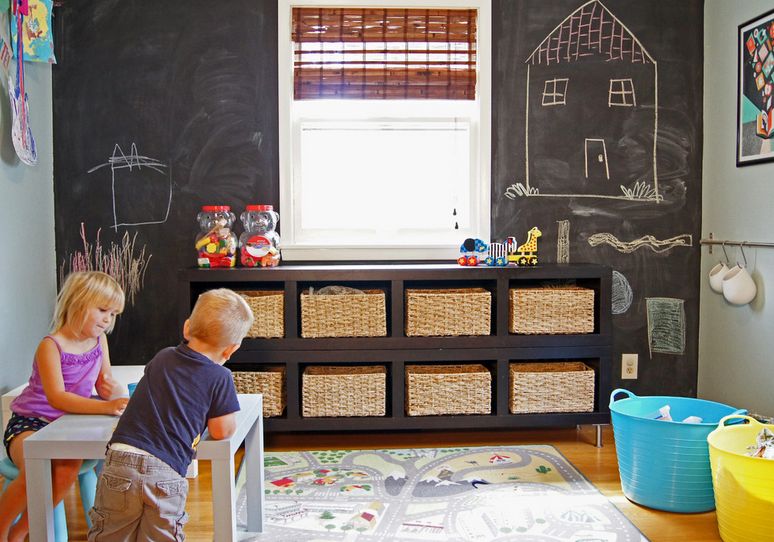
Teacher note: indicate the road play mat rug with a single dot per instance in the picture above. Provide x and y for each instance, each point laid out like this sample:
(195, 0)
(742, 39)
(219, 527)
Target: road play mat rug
(525, 493)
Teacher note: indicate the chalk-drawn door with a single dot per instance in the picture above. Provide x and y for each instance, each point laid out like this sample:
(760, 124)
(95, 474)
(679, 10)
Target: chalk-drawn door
(596, 160)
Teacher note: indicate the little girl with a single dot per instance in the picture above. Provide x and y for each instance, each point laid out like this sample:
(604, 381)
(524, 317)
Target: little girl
(68, 364)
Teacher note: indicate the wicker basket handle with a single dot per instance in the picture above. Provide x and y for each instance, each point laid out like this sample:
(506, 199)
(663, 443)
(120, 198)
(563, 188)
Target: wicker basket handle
(746, 419)
(616, 391)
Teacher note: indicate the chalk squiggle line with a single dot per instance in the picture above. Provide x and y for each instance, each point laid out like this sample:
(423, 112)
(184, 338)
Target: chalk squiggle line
(647, 241)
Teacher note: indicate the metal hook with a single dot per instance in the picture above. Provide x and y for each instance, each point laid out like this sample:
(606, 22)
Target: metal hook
(723, 246)
(741, 246)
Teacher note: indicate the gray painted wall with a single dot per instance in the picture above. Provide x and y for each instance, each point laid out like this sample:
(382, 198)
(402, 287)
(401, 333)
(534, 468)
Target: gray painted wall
(27, 264)
(736, 364)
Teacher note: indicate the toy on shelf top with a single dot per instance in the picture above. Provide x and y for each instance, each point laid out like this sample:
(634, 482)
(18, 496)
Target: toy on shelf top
(525, 254)
(471, 250)
(497, 255)
(500, 254)
(259, 244)
(216, 243)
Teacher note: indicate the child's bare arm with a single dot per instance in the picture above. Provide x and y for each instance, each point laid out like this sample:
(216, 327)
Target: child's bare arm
(50, 369)
(107, 387)
(222, 426)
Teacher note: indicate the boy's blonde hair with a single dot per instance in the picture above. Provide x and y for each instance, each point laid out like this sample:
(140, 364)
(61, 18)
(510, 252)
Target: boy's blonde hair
(81, 291)
(220, 318)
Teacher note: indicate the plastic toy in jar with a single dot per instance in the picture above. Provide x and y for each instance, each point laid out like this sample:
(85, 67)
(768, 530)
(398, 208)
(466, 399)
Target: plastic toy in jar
(216, 243)
(259, 244)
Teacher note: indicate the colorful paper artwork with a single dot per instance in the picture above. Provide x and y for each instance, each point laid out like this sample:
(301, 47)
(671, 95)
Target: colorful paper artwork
(36, 33)
(21, 132)
(755, 128)
(6, 49)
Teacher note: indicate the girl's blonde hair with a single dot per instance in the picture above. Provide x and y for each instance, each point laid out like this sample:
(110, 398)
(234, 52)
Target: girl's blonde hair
(81, 291)
(220, 318)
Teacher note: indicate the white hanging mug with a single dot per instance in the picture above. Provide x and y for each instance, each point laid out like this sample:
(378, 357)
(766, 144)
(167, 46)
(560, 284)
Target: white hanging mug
(738, 286)
(716, 275)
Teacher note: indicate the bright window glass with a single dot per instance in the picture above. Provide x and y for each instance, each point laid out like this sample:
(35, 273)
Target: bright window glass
(383, 179)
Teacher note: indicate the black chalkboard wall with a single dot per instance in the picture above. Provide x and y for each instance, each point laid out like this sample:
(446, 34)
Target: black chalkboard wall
(192, 85)
(160, 108)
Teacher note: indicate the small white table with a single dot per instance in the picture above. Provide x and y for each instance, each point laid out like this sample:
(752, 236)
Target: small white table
(79, 436)
(124, 374)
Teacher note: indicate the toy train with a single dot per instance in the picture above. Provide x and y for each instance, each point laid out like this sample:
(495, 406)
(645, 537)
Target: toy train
(475, 251)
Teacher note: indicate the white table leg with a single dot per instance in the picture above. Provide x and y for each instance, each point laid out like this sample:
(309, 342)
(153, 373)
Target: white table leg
(224, 500)
(40, 508)
(253, 459)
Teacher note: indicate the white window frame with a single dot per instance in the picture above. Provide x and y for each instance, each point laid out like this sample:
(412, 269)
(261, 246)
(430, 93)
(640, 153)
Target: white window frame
(554, 96)
(481, 184)
(623, 94)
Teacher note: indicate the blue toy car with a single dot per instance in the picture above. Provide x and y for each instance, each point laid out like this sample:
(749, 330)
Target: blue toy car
(470, 251)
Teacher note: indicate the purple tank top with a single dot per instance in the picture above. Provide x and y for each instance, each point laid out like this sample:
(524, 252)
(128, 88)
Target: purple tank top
(79, 372)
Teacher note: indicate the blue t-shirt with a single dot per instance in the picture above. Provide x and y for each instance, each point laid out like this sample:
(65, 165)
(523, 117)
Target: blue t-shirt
(169, 409)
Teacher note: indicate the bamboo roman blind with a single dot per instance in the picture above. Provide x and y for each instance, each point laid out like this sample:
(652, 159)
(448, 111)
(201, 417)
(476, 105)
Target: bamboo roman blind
(366, 53)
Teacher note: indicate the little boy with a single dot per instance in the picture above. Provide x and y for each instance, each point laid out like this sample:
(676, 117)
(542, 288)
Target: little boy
(142, 490)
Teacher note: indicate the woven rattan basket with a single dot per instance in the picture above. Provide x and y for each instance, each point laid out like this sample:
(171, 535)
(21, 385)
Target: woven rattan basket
(461, 311)
(448, 389)
(351, 315)
(328, 391)
(268, 307)
(565, 386)
(551, 310)
(270, 382)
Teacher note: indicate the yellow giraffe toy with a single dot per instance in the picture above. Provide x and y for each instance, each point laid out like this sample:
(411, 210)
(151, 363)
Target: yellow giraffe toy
(526, 254)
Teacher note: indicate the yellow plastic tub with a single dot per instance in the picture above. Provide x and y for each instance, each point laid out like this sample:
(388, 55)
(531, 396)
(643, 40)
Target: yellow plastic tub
(744, 485)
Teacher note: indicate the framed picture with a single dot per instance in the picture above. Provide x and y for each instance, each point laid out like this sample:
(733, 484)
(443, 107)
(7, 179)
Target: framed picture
(755, 92)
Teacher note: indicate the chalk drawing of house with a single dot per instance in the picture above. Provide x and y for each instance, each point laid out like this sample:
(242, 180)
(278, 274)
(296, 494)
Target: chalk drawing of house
(591, 111)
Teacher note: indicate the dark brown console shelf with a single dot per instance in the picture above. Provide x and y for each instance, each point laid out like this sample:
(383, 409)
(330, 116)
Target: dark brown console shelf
(496, 351)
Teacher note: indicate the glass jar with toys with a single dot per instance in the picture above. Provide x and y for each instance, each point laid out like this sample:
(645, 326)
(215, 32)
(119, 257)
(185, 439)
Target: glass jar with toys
(216, 243)
(259, 243)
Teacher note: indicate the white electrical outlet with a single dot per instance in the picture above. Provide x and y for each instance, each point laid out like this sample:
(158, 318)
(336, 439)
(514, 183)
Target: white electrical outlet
(629, 366)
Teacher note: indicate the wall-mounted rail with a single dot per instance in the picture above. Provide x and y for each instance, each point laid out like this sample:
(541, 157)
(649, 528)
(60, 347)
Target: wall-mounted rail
(727, 242)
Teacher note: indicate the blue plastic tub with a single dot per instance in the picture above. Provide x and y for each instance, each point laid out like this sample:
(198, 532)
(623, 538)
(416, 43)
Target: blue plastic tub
(665, 465)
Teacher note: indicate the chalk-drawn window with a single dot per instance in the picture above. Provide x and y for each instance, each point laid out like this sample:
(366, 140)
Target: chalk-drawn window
(555, 91)
(621, 93)
(400, 177)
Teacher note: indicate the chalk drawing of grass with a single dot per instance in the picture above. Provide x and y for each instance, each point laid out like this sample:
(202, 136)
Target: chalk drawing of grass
(119, 261)
(641, 191)
(518, 190)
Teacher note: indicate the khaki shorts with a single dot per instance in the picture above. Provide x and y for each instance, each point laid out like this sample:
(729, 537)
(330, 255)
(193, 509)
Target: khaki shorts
(139, 497)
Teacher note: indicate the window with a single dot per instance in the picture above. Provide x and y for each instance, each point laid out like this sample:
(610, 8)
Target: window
(384, 128)
(555, 91)
(621, 93)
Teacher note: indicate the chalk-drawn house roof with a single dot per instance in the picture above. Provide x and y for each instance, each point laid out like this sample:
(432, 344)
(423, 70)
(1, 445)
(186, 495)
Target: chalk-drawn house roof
(591, 30)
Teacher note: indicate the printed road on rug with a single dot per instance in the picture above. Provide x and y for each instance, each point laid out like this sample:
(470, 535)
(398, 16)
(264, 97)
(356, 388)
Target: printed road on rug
(525, 493)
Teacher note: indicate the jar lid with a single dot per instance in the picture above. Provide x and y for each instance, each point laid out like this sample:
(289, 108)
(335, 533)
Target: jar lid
(260, 208)
(215, 208)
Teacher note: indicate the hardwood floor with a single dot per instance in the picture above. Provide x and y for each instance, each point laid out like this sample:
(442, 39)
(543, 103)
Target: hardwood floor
(597, 464)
